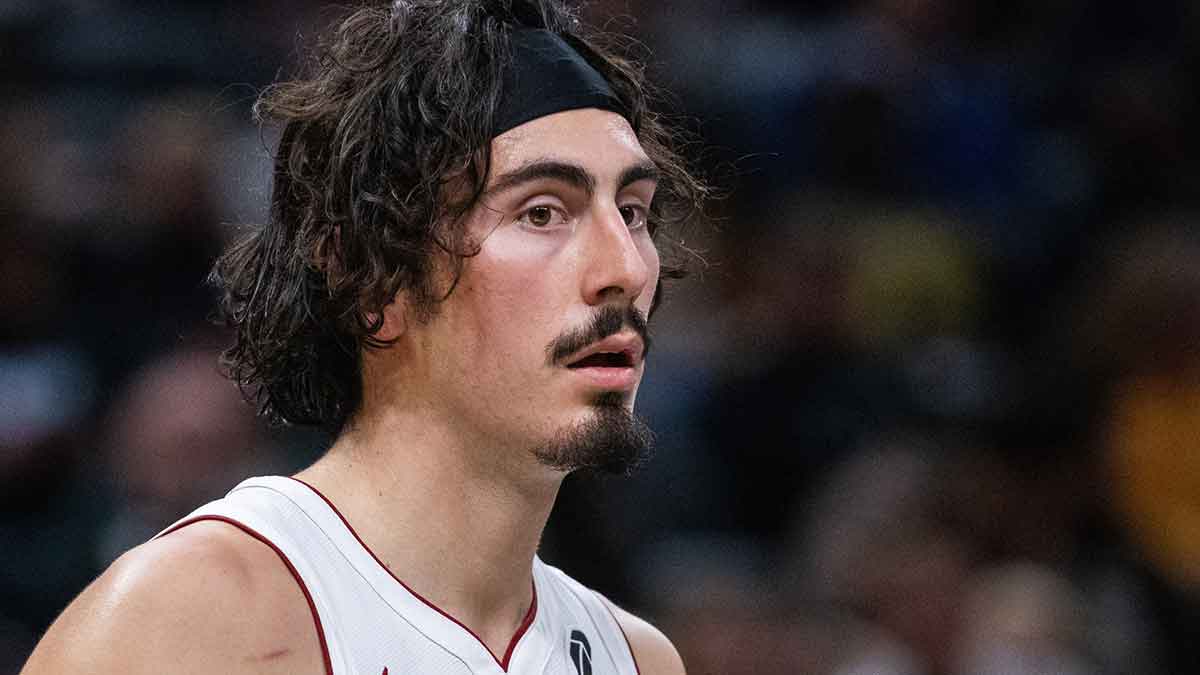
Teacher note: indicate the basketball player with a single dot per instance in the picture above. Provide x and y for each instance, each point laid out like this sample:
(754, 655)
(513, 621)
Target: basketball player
(468, 208)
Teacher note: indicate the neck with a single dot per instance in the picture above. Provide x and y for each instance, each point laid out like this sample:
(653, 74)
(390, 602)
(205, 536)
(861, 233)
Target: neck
(459, 531)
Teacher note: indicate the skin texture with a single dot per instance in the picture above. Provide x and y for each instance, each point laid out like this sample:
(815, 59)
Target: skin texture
(206, 599)
(451, 415)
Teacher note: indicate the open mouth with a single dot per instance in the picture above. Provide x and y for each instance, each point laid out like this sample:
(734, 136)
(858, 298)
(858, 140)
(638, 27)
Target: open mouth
(610, 364)
(604, 360)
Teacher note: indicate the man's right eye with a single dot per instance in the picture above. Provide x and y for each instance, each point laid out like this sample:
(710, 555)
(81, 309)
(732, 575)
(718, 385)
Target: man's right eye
(539, 216)
(542, 216)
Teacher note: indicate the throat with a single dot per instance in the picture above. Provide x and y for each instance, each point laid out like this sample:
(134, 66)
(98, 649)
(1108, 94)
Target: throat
(463, 541)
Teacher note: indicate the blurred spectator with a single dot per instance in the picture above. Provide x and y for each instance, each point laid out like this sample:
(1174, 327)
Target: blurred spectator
(725, 617)
(1149, 331)
(1022, 619)
(48, 399)
(178, 436)
(877, 544)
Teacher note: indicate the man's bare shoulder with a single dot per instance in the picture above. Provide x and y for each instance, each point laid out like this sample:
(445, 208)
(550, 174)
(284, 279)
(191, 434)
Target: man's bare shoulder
(207, 598)
(654, 653)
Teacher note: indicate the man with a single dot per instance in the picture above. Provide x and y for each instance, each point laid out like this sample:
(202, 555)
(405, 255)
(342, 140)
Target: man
(468, 208)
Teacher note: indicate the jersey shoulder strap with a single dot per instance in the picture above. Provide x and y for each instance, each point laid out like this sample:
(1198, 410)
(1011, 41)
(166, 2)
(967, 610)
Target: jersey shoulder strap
(584, 619)
(252, 508)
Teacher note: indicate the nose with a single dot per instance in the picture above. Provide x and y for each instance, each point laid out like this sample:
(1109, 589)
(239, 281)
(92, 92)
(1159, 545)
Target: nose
(617, 265)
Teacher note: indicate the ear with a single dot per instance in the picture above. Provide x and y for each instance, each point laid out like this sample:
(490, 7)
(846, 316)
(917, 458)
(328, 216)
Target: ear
(395, 319)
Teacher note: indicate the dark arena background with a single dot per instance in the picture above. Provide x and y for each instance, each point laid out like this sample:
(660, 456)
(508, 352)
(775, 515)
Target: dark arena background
(931, 407)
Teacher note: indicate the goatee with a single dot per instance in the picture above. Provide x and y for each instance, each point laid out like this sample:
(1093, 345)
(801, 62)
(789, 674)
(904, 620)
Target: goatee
(612, 440)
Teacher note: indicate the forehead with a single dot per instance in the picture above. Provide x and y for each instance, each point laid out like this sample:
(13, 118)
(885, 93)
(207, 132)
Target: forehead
(598, 139)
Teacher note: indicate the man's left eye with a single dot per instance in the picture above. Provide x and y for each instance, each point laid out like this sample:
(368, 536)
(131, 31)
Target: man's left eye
(634, 216)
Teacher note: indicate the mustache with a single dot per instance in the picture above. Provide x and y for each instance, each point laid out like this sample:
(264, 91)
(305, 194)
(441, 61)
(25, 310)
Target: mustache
(608, 320)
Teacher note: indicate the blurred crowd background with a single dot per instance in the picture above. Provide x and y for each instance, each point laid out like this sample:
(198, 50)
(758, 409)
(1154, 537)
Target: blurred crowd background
(932, 406)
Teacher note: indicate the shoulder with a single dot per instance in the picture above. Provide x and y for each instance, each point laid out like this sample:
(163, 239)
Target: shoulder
(206, 598)
(654, 653)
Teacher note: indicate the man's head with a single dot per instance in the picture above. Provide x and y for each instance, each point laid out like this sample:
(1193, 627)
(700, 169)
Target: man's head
(432, 213)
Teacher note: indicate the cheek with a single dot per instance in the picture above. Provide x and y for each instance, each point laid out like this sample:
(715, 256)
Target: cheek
(653, 268)
(503, 302)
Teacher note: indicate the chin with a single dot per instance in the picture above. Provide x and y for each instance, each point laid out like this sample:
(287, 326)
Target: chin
(614, 399)
(611, 439)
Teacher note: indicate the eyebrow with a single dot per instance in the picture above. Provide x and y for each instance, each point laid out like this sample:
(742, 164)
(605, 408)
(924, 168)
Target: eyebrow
(571, 174)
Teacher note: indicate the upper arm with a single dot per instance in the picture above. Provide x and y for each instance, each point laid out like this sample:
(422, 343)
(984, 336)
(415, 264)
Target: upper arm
(205, 599)
(654, 653)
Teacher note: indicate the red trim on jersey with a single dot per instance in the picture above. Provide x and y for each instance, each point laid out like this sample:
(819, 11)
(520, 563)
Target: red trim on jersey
(525, 624)
(312, 606)
(632, 654)
(512, 644)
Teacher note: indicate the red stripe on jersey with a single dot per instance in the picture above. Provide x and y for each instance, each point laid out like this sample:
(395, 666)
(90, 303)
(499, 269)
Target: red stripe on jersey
(512, 644)
(312, 606)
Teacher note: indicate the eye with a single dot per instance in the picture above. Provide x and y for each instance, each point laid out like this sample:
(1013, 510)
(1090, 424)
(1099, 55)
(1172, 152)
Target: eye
(635, 216)
(542, 216)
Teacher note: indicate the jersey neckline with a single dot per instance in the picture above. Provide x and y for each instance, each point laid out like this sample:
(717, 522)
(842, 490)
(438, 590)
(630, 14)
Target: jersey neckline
(503, 662)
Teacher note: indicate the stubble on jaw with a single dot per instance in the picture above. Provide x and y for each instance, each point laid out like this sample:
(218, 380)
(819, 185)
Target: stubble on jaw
(612, 440)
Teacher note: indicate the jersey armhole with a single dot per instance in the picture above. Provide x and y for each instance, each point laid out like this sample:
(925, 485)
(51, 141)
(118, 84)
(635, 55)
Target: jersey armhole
(608, 608)
(312, 605)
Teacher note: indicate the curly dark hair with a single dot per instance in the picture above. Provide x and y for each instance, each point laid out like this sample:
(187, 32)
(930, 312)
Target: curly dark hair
(398, 99)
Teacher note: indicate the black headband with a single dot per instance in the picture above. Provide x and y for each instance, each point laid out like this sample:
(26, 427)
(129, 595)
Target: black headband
(545, 76)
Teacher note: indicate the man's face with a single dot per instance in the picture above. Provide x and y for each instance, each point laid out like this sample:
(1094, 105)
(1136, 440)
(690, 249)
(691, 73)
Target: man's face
(540, 346)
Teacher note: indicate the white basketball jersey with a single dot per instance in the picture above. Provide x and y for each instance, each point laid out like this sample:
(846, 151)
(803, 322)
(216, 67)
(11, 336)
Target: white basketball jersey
(371, 623)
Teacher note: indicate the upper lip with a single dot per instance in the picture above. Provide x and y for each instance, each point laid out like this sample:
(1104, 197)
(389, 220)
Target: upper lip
(629, 344)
